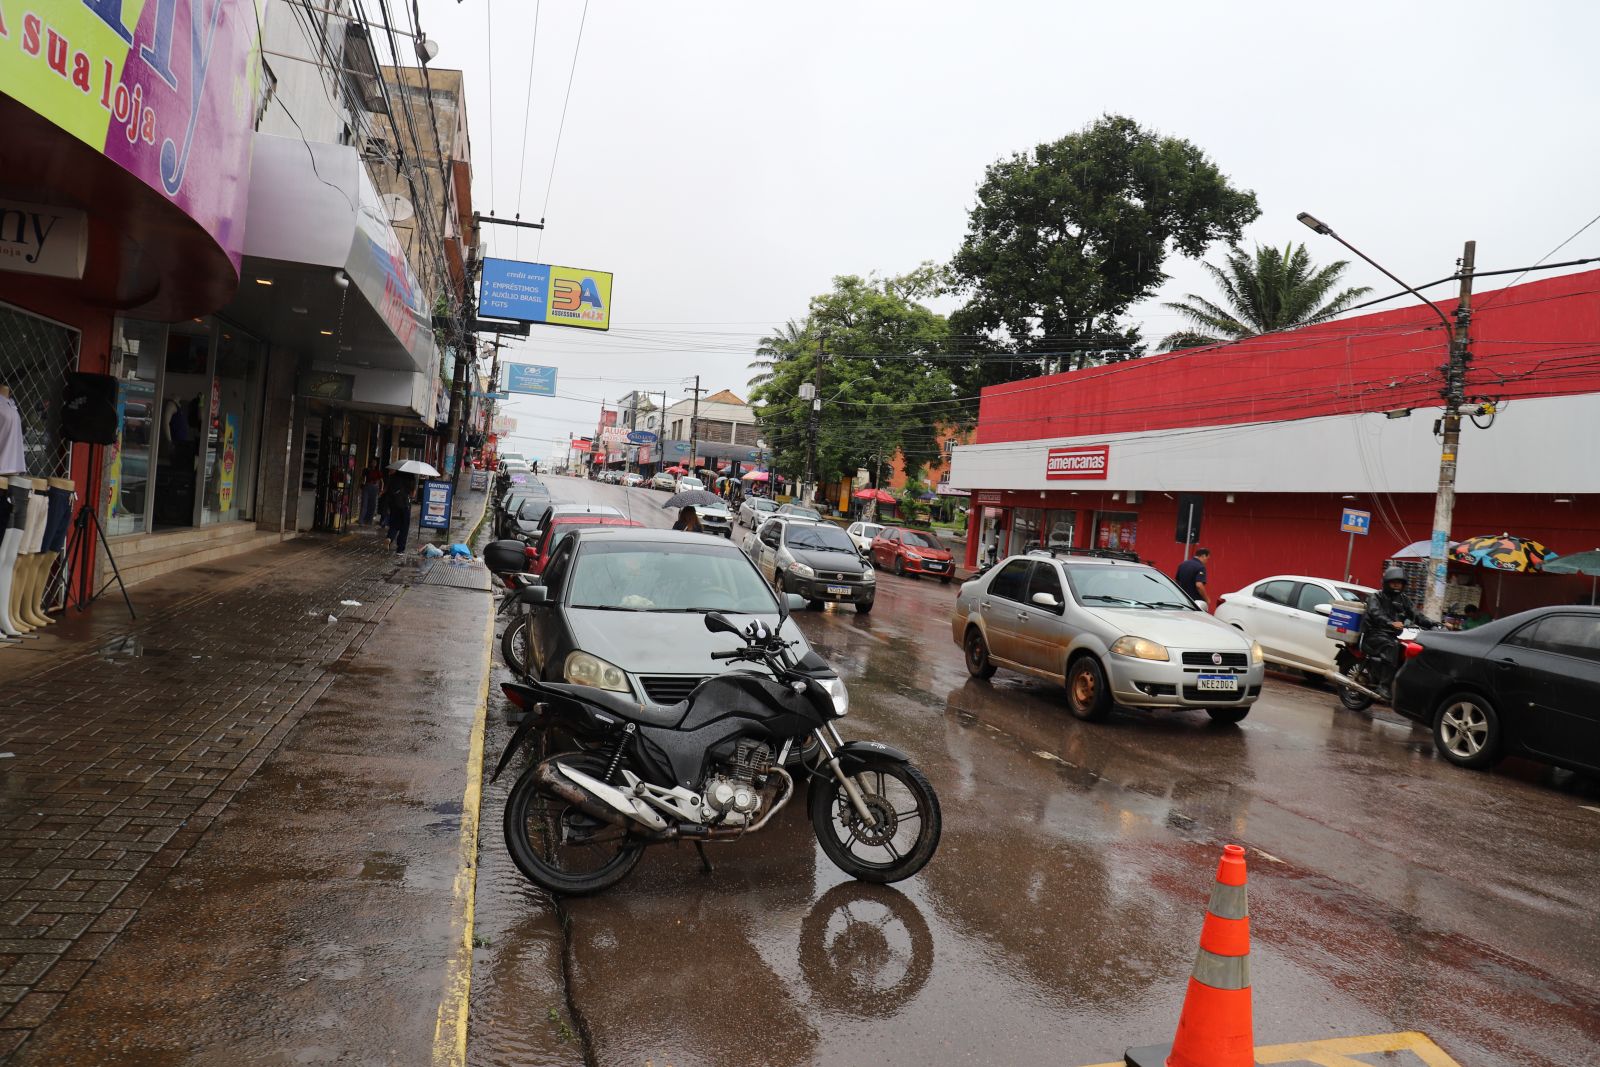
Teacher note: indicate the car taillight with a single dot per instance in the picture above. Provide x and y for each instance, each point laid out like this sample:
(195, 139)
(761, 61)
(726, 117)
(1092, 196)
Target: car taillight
(1412, 649)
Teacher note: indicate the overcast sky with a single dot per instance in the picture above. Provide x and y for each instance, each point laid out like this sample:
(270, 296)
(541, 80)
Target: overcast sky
(726, 160)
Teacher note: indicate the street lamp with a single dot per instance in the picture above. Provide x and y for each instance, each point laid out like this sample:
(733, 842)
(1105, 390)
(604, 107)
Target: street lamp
(1455, 371)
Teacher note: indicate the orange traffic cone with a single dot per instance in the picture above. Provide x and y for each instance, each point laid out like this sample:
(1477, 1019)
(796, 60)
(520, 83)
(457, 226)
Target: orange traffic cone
(1214, 1029)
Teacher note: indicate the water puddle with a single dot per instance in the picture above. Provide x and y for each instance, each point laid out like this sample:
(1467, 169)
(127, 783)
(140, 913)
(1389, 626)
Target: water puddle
(129, 647)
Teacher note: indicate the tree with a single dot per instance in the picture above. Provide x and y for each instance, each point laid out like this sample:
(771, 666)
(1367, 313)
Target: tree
(1063, 240)
(1273, 290)
(785, 342)
(880, 376)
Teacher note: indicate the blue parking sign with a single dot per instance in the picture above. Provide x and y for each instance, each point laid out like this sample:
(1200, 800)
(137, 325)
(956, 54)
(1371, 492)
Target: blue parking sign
(1355, 522)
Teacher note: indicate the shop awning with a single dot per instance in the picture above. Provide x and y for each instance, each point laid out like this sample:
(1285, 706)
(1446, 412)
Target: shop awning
(314, 219)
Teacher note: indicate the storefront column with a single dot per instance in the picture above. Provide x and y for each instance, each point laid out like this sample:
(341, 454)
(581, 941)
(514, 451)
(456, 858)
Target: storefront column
(279, 472)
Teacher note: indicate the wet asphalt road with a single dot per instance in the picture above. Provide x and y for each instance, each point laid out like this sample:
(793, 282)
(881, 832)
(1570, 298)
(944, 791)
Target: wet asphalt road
(1058, 922)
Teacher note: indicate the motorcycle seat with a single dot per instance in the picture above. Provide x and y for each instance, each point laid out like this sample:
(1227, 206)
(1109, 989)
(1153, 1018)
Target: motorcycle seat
(622, 705)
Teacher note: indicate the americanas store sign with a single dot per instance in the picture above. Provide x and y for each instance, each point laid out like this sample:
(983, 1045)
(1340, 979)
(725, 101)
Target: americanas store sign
(1087, 461)
(166, 89)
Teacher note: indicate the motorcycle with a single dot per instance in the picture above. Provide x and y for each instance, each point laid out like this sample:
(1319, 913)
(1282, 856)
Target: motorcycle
(1364, 679)
(611, 777)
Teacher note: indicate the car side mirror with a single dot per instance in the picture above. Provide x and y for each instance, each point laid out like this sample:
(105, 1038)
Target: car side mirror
(534, 594)
(1323, 609)
(719, 623)
(1046, 600)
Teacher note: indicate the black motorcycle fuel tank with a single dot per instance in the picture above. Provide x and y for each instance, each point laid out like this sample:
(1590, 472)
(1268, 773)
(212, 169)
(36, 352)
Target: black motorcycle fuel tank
(738, 703)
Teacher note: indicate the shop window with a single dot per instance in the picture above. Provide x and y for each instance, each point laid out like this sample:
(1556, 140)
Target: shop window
(1059, 527)
(1025, 529)
(1116, 530)
(137, 352)
(35, 356)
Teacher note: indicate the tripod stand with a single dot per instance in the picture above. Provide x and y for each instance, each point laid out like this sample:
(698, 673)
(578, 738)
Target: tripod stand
(80, 548)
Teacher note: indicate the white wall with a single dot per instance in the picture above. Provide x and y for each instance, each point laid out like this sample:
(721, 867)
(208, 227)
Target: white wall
(1549, 445)
(306, 91)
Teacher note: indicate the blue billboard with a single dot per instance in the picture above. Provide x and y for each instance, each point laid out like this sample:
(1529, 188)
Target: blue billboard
(544, 292)
(530, 378)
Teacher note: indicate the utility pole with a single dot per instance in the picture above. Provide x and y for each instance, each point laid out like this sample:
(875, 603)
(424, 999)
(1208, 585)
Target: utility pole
(1455, 387)
(694, 430)
(810, 493)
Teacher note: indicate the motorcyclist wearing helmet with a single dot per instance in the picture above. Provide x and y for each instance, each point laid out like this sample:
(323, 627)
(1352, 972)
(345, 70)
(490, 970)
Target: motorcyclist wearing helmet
(1389, 611)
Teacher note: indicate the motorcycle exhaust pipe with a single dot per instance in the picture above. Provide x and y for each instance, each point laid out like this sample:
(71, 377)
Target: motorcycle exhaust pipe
(552, 782)
(1346, 683)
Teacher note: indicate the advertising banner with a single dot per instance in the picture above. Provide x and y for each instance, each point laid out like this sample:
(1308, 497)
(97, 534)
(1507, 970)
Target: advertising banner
(435, 505)
(543, 292)
(529, 378)
(167, 91)
(229, 462)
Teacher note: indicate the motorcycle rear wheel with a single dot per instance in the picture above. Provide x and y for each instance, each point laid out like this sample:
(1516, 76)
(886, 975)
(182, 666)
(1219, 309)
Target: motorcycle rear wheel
(559, 848)
(1351, 699)
(906, 808)
(514, 645)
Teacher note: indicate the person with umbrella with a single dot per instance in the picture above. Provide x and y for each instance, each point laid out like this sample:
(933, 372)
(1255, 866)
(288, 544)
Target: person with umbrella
(688, 520)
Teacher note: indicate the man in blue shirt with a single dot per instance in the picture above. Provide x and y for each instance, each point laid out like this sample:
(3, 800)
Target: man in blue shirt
(1192, 577)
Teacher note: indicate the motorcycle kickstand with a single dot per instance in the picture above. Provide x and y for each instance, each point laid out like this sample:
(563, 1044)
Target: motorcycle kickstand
(705, 861)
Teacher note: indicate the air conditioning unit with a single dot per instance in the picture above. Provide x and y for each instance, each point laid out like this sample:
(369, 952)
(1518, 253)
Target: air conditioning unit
(1135, 496)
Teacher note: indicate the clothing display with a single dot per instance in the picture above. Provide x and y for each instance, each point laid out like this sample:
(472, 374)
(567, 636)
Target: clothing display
(11, 456)
(60, 517)
(38, 516)
(20, 494)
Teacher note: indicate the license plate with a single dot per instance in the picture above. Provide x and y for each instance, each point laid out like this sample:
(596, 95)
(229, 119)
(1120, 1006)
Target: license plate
(934, 566)
(838, 590)
(1224, 682)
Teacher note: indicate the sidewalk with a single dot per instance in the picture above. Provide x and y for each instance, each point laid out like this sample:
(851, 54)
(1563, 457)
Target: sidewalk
(233, 830)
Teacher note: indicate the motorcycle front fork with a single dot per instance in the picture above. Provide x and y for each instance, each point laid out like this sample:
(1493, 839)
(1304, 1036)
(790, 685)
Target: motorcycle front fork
(851, 790)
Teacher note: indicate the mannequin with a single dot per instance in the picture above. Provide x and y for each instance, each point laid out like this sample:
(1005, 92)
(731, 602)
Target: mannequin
(27, 548)
(55, 505)
(18, 492)
(11, 459)
(7, 635)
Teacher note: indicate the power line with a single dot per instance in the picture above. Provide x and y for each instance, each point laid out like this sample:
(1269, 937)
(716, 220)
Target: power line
(527, 113)
(561, 128)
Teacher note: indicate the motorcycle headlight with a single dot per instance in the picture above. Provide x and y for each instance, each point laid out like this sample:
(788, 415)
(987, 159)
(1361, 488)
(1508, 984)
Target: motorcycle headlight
(800, 570)
(1256, 655)
(584, 669)
(1139, 648)
(840, 695)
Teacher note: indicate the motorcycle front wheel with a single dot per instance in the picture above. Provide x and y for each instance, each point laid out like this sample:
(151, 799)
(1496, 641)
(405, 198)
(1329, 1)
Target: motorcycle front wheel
(558, 847)
(905, 810)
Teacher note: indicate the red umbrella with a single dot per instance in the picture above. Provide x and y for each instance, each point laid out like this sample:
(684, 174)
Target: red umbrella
(677, 470)
(874, 494)
(757, 476)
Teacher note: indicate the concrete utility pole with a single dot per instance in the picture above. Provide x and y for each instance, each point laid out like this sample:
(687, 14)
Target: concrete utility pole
(694, 430)
(1455, 386)
(812, 421)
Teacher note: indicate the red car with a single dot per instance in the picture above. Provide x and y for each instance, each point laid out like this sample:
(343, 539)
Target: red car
(907, 551)
(539, 554)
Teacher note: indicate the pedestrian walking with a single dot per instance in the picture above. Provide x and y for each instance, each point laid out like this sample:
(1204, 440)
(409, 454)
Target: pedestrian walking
(399, 501)
(1192, 578)
(371, 490)
(688, 520)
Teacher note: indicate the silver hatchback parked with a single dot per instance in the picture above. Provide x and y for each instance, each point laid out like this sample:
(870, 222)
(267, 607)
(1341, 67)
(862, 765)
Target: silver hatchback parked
(1112, 631)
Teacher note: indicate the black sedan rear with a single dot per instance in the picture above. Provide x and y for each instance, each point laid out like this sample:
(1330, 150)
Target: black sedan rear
(1528, 684)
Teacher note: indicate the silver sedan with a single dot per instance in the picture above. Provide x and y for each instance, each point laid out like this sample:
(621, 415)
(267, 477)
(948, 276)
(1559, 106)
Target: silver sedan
(1112, 632)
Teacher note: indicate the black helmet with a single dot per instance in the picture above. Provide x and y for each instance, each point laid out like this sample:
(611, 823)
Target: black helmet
(1394, 574)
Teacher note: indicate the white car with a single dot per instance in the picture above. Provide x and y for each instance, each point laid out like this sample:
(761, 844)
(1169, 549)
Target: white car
(862, 534)
(1288, 615)
(688, 482)
(632, 478)
(753, 510)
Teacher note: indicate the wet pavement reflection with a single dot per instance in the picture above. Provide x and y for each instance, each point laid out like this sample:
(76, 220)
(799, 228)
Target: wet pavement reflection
(1059, 920)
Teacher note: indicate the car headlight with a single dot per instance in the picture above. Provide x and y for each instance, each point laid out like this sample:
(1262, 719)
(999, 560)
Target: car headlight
(867, 575)
(840, 695)
(913, 555)
(584, 669)
(800, 570)
(1139, 648)
(1256, 654)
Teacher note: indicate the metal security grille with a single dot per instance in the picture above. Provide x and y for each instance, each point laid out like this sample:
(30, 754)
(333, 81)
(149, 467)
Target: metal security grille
(35, 357)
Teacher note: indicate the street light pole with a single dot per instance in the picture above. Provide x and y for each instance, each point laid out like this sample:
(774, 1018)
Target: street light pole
(1454, 393)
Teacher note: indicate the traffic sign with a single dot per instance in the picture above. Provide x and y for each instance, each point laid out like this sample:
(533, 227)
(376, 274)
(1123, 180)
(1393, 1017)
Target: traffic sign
(1355, 522)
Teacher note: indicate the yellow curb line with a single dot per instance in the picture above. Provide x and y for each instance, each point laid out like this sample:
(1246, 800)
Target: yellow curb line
(450, 1030)
(1334, 1051)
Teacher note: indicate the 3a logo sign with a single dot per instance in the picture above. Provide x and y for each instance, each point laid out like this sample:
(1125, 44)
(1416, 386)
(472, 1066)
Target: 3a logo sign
(569, 295)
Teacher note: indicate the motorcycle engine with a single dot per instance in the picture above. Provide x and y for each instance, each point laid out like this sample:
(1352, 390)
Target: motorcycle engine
(731, 792)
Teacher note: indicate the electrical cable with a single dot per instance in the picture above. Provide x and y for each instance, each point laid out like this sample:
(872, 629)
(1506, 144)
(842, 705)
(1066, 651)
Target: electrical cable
(527, 113)
(561, 128)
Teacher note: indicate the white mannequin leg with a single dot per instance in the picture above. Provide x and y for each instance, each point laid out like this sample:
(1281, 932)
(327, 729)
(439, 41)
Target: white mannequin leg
(8, 563)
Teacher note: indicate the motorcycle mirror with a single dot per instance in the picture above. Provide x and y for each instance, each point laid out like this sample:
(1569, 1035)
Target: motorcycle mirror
(719, 623)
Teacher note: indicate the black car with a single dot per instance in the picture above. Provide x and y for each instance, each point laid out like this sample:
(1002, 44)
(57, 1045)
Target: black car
(505, 518)
(623, 609)
(1528, 684)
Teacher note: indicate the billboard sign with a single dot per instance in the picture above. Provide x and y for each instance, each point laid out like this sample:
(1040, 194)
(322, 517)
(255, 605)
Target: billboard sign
(1085, 461)
(641, 437)
(529, 378)
(543, 292)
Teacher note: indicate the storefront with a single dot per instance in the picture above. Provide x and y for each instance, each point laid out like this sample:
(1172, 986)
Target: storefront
(1256, 450)
(121, 209)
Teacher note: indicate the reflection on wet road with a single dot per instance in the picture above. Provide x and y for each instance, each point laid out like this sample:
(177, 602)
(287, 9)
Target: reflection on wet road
(1058, 922)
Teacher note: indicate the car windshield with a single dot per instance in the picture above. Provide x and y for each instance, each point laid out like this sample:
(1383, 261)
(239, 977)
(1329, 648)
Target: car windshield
(761, 503)
(1125, 587)
(800, 512)
(823, 537)
(918, 539)
(668, 578)
(718, 506)
(871, 531)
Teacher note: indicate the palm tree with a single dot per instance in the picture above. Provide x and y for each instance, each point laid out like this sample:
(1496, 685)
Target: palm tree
(785, 342)
(1273, 290)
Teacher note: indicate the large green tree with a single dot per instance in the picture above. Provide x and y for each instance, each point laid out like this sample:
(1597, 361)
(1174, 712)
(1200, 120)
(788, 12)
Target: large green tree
(1064, 239)
(883, 383)
(1272, 290)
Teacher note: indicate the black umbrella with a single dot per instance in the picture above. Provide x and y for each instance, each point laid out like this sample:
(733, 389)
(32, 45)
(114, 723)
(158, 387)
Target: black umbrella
(693, 498)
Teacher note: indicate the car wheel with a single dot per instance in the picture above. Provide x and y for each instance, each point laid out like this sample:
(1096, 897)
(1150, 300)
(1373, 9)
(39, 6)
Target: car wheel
(864, 607)
(899, 567)
(1466, 731)
(977, 654)
(1227, 715)
(1088, 693)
